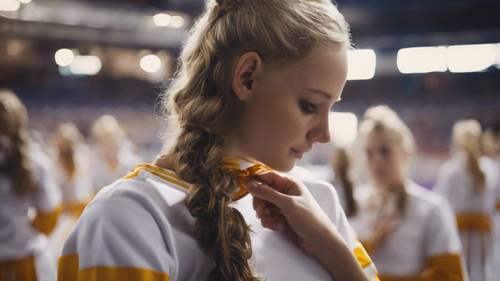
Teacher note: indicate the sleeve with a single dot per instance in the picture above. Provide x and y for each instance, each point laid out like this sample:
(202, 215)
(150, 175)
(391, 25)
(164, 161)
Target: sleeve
(47, 200)
(118, 239)
(443, 251)
(327, 198)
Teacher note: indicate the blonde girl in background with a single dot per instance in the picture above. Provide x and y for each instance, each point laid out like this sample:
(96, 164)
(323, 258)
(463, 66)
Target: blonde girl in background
(25, 184)
(410, 232)
(255, 86)
(113, 151)
(467, 181)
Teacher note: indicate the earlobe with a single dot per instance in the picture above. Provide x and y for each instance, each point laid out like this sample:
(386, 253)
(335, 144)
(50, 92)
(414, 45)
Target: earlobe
(244, 74)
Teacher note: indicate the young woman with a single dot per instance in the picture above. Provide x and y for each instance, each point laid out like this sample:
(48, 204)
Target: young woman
(409, 232)
(468, 182)
(257, 81)
(25, 183)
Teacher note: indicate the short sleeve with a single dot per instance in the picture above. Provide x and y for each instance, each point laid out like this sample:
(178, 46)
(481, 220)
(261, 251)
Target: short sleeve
(117, 238)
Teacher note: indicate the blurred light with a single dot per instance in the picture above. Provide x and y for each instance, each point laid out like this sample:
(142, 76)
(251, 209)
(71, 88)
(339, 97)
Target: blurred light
(64, 57)
(162, 19)
(177, 22)
(343, 127)
(422, 59)
(471, 58)
(14, 47)
(24, 1)
(150, 63)
(362, 64)
(85, 65)
(9, 5)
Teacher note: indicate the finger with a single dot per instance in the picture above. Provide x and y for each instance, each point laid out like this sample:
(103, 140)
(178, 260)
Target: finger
(267, 193)
(275, 180)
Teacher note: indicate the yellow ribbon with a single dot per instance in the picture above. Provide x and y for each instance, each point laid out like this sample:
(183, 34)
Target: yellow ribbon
(243, 168)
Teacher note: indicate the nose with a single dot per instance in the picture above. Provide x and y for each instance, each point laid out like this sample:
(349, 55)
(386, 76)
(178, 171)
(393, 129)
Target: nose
(321, 130)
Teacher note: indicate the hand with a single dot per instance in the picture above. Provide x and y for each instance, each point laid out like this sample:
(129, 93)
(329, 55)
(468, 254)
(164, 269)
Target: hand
(383, 228)
(285, 204)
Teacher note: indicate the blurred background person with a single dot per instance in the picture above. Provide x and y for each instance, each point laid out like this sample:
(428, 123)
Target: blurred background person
(114, 153)
(467, 181)
(25, 183)
(408, 230)
(341, 179)
(71, 159)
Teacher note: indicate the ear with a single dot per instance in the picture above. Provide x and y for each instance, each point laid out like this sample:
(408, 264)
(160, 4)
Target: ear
(245, 70)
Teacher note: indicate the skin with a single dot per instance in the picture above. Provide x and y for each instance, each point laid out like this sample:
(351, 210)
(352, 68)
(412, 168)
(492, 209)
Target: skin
(289, 102)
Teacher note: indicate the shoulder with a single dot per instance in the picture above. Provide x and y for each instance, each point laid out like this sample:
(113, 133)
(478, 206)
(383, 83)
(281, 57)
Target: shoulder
(323, 191)
(425, 197)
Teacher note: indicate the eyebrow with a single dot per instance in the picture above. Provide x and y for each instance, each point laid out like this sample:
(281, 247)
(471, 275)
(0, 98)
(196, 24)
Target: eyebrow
(325, 94)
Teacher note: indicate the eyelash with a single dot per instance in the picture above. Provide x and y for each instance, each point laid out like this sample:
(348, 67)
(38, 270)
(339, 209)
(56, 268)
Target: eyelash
(308, 107)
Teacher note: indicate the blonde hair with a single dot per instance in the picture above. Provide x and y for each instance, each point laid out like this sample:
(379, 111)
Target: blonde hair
(68, 137)
(342, 167)
(467, 138)
(199, 103)
(385, 120)
(14, 120)
(107, 127)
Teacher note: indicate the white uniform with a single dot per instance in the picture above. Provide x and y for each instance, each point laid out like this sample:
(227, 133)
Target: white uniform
(23, 241)
(424, 244)
(473, 210)
(103, 174)
(139, 228)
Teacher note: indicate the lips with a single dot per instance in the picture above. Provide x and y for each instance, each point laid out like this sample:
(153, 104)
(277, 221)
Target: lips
(298, 153)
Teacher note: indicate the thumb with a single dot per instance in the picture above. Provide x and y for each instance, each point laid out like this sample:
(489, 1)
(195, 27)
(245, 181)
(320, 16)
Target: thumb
(267, 193)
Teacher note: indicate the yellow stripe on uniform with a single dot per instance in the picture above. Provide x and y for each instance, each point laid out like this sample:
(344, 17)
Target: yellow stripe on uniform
(445, 267)
(68, 271)
(230, 164)
(474, 222)
(45, 222)
(361, 255)
(19, 269)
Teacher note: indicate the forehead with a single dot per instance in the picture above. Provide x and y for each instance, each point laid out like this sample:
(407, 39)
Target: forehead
(384, 136)
(324, 68)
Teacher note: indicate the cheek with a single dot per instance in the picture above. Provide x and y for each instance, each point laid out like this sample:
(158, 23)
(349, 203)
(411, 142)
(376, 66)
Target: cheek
(280, 120)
